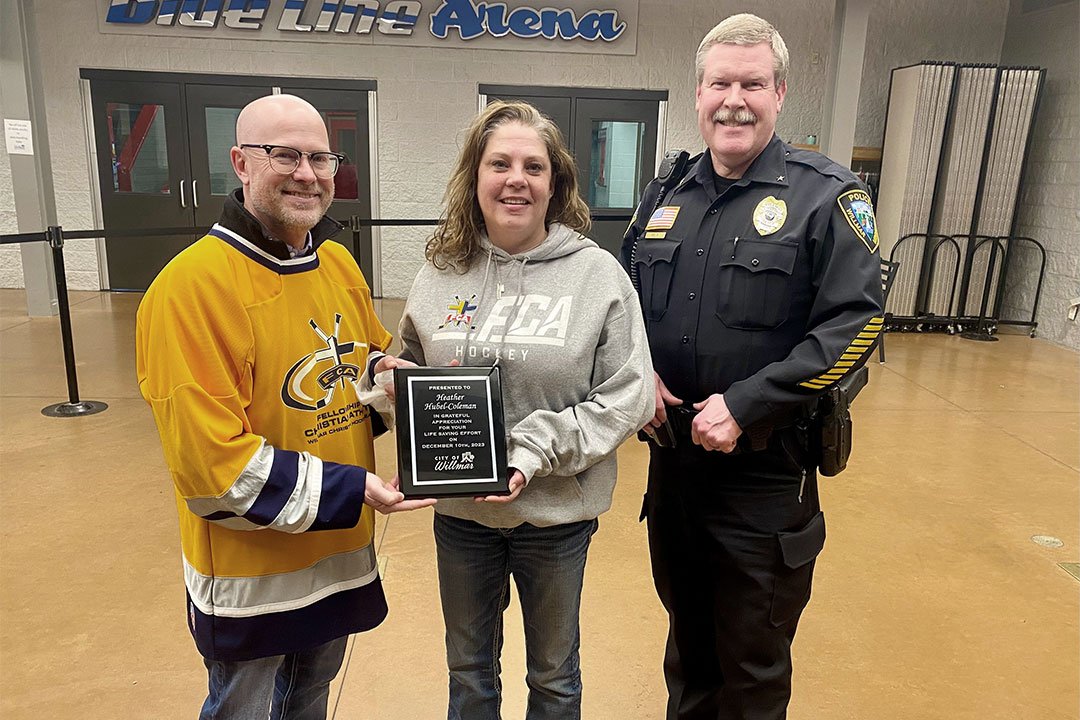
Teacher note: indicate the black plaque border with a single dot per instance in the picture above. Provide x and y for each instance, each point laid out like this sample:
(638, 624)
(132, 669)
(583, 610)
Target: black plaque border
(403, 427)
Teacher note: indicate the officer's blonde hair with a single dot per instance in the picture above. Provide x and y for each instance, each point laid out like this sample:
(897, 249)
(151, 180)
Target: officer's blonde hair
(457, 239)
(745, 29)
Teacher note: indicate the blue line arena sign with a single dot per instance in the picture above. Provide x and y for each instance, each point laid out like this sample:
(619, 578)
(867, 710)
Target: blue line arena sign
(338, 19)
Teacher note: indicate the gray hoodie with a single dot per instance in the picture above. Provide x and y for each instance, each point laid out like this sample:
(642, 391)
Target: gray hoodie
(564, 323)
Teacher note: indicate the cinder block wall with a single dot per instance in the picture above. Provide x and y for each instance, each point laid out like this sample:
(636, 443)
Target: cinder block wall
(1050, 202)
(10, 257)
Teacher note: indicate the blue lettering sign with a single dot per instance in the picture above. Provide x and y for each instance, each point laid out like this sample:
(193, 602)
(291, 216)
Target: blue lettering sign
(348, 12)
(192, 15)
(496, 18)
(399, 17)
(460, 14)
(245, 14)
(168, 11)
(472, 20)
(524, 22)
(134, 12)
(290, 16)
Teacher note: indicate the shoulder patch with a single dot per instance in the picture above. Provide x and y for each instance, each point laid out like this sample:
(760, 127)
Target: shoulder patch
(859, 213)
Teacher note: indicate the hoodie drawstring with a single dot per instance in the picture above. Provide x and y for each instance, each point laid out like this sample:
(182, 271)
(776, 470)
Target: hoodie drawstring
(519, 302)
(480, 302)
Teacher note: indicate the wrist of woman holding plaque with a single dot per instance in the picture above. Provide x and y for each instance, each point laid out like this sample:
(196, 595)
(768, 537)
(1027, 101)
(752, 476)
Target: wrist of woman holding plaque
(517, 482)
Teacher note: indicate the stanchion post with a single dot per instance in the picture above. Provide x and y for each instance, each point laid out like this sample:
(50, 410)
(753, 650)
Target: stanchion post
(73, 407)
(56, 242)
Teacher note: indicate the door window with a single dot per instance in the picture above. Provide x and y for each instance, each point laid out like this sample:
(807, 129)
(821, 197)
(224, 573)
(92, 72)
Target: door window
(615, 167)
(220, 137)
(341, 127)
(139, 154)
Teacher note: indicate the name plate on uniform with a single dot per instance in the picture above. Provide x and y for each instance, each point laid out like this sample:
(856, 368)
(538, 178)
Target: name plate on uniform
(451, 438)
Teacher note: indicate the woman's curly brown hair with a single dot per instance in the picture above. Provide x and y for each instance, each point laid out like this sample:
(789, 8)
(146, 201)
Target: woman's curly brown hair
(457, 238)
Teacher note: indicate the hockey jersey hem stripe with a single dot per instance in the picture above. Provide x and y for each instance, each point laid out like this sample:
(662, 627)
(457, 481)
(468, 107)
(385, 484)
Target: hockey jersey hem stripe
(247, 638)
(249, 596)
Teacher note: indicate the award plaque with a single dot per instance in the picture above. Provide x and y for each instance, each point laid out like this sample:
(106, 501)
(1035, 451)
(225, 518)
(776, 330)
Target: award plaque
(451, 438)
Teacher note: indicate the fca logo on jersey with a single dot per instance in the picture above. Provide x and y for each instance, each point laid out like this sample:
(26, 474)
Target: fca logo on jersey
(293, 391)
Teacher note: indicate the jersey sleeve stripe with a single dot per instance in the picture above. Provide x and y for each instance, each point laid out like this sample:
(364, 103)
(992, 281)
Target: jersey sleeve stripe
(278, 488)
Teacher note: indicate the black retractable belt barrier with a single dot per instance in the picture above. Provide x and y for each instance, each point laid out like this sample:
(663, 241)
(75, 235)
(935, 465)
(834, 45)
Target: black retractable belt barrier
(55, 236)
(74, 407)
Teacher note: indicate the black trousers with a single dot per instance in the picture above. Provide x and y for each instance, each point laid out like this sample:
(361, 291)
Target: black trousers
(733, 541)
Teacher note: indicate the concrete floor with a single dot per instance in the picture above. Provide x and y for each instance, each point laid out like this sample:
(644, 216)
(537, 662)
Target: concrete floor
(931, 599)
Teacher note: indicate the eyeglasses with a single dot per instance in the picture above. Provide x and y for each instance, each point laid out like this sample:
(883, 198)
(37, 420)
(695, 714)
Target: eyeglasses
(285, 160)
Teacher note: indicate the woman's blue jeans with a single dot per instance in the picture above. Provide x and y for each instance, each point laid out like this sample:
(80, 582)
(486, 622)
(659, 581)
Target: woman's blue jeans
(548, 566)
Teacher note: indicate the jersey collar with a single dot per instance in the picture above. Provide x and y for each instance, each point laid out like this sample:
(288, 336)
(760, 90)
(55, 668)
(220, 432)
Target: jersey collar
(242, 230)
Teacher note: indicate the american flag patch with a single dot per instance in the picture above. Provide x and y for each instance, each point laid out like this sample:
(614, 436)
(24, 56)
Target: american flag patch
(663, 218)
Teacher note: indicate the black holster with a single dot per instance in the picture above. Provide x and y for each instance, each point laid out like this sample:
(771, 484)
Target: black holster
(833, 422)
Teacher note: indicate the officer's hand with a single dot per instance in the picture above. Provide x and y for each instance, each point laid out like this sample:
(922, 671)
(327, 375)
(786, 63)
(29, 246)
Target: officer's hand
(714, 428)
(663, 399)
(387, 498)
(389, 362)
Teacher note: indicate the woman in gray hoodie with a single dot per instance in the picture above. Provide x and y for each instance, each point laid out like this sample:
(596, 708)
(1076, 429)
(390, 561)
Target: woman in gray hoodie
(527, 290)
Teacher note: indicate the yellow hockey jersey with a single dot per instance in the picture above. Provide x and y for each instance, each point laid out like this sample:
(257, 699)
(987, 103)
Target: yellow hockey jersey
(252, 366)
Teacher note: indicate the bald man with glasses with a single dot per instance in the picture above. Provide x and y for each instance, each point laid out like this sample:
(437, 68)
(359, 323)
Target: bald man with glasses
(255, 349)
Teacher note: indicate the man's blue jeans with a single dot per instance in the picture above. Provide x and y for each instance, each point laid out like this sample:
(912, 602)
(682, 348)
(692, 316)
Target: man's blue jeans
(548, 565)
(298, 683)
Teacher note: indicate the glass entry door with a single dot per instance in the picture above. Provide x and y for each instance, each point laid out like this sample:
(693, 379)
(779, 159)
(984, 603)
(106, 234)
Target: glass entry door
(615, 147)
(143, 173)
(211, 116)
(163, 145)
(345, 113)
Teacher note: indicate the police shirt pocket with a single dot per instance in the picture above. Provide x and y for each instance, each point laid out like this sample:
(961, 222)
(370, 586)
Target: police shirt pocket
(655, 264)
(755, 284)
(791, 589)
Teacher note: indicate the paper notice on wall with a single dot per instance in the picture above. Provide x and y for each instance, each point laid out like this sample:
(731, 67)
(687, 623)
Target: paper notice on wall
(19, 139)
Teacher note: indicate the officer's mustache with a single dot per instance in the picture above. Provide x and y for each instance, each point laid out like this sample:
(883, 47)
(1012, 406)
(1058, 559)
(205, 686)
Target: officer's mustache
(742, 116)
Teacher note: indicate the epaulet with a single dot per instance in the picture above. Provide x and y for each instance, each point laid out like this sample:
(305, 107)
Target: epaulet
(822, 163)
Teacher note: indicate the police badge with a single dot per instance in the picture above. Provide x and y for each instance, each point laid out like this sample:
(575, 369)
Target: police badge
(769, 215)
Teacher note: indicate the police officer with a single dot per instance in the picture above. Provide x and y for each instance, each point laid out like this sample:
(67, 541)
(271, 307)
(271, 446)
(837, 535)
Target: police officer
(759, 278)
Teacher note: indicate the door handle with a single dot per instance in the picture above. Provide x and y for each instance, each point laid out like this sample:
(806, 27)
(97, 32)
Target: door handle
(183, 202)
(195, 193)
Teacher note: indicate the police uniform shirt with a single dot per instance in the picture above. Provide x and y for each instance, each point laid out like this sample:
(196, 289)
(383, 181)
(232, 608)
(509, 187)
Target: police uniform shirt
(769, 292)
